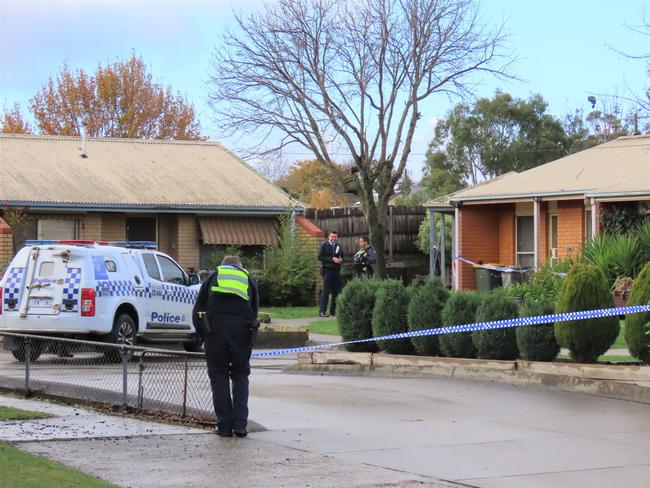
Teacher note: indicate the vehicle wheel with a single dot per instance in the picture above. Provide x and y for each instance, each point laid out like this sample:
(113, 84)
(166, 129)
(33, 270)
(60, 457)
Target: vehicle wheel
(195, 345)
(124, 333)
(36, 349)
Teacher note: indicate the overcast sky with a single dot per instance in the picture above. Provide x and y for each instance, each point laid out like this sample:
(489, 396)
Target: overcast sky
(564, 49)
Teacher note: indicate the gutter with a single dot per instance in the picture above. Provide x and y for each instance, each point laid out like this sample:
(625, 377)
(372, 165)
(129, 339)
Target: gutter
(575, 194)
(198, 209)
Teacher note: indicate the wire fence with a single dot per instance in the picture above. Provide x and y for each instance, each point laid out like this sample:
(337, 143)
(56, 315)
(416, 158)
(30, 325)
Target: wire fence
(143, 379)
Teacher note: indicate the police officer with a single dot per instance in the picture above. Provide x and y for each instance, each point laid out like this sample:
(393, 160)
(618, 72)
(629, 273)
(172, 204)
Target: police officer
(365, 259)
(226, 313)
(331, 257)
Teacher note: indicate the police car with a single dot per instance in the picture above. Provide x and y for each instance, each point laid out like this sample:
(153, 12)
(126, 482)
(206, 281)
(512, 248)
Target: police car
(119, 292)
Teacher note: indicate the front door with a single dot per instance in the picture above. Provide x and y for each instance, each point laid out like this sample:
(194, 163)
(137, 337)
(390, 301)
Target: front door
(179, 297)
(525, 242)
(155, 305)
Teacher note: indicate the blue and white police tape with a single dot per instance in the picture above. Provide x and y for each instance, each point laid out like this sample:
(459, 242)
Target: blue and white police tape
(494, 324)
(505, 269)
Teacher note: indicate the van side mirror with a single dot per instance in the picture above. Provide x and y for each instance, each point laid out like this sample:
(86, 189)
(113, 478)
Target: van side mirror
(194, 278)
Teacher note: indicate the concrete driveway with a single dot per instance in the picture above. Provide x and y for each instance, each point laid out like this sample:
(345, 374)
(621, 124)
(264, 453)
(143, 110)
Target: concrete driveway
(475, 433)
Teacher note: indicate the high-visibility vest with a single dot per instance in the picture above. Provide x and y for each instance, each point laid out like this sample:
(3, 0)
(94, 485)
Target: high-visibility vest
(232, 280)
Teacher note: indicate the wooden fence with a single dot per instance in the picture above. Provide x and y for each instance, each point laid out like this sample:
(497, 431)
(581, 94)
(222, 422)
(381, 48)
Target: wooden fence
(350, 224)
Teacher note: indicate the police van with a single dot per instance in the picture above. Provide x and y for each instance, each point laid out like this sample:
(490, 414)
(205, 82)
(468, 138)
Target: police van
(118, 292)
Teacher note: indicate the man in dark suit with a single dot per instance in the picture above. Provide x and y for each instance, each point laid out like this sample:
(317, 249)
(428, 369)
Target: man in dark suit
(331, 257)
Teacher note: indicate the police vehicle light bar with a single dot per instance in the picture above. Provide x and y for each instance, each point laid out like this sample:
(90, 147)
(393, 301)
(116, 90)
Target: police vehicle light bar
(126, 244)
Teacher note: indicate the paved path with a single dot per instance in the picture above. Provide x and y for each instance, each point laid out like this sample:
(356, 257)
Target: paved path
(355, 431)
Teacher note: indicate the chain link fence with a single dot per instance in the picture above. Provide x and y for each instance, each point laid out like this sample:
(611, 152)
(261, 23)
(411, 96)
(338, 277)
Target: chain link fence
(144, 379)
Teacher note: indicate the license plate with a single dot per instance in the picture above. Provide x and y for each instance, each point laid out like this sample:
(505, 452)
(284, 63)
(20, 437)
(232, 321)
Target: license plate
(38, 302)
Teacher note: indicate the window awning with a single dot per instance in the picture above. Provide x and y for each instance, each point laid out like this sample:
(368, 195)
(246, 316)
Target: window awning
(238, 231)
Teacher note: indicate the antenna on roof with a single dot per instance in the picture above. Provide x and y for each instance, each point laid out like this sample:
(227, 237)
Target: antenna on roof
(84, 153)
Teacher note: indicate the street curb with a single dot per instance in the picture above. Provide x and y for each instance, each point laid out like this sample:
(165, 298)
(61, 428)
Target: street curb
(623, 382)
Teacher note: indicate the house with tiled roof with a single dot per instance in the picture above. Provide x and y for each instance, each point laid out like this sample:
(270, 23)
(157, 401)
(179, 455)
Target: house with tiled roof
(189, 196)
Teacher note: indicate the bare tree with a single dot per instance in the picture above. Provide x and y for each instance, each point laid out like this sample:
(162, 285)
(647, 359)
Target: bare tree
(349, 74)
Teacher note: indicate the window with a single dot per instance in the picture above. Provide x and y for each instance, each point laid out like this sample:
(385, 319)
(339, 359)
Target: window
(171, 272)
(151, 266)
(141, 229)
(525, 242)
(589, 232)
(56, 229)
(47, 269)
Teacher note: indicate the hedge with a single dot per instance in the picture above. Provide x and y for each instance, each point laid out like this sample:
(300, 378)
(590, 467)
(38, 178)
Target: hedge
(424, 312)
(496, 343)
(389, 316)
(459, 309)
(354, 313)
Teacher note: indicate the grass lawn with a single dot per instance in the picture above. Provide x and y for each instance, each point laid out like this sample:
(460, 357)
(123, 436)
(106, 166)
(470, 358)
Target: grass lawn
(24, 470)
(290, 312)
(620, 340)
(329, 327)
(9, 413)
(618, 359)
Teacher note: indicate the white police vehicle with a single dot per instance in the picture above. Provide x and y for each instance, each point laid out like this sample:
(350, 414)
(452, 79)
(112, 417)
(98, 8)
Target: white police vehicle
(119, 292)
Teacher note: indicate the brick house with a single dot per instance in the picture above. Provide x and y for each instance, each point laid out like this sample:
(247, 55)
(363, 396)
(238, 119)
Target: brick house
(192, 197)
(548, 212)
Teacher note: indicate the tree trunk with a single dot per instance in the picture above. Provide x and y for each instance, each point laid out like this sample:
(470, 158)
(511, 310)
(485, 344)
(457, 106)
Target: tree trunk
(376, 216)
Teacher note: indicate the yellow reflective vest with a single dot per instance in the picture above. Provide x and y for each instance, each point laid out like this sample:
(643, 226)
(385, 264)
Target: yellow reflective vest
(232, 280)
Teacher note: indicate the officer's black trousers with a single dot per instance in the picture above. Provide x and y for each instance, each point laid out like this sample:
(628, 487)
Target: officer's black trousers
(331, 285)
(228, 348)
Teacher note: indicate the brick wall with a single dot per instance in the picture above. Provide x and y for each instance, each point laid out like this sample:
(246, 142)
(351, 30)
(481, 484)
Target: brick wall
(507, 234)
(6, 245)
(188, 241)
(312, 237)
(113, 227)
(479, 239)
(570, 227)
(168, 234)
(90, 227)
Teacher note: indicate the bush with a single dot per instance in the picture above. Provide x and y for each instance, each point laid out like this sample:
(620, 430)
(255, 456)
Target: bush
(637, 326)
(543, 285)
(537, 342)
(289, 270)
(354, 313)
(389, 316)
(424, 312)
(459, 309)
(585, 288)
(496, 343)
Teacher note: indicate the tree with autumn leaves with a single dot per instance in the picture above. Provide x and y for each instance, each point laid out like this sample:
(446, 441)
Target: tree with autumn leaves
(118, 100)
(313, 184)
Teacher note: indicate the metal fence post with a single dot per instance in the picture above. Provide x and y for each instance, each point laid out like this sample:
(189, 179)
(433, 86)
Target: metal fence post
(28, 362)
(125, 383)
(140, 385)
(183, 412)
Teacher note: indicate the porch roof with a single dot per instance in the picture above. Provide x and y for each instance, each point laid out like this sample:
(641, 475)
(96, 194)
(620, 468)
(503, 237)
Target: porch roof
(617, 168)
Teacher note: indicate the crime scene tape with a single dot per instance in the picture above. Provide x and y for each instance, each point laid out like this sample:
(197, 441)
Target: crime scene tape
(494, 324)
(494, 268)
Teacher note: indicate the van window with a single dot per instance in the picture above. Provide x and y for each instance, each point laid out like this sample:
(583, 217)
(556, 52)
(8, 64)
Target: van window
(46, 270)
(171, 272)
(151, 266)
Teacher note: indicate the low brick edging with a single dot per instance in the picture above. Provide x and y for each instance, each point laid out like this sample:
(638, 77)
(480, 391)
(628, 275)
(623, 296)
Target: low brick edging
(622, 382)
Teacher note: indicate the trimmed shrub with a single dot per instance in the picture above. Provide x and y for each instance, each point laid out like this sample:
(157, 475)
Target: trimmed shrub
(459, 309)
(637, 326)
(424, 312)
(537, 342)
(389, 316)
(354, 308)
(585, 288)
(496, 343)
